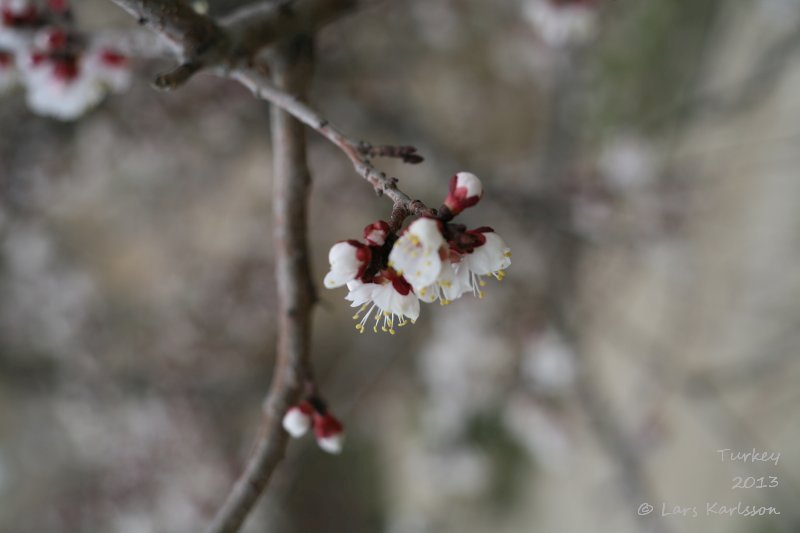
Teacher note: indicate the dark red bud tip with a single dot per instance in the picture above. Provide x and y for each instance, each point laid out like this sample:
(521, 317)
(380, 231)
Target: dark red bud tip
(376, 233)
(25, 17)
(37, 58)
(399, 283)
(465, 191)
(112, 58)
(66, 70)
(305, 407)
(482, 229)
(57, 39)
(326, 425)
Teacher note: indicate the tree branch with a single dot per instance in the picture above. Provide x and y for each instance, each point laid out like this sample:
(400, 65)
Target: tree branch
(258, 25)
(292, 181)
(234, 40)
(222, 47)
(195, 34)
(357, 151)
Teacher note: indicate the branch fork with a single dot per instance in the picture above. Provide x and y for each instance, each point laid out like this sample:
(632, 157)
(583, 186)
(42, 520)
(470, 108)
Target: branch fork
(229, 48)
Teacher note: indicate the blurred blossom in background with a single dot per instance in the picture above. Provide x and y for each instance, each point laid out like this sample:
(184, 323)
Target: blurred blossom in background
(639, 158)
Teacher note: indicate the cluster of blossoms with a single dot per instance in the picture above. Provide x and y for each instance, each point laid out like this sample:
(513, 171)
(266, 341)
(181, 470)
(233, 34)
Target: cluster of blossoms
(432, 259)
(563, 22)
(328, 431)
(63, 73)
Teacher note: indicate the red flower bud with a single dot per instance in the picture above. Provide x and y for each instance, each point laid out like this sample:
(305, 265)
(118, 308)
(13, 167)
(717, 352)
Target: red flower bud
(466, 190)
(329, 432)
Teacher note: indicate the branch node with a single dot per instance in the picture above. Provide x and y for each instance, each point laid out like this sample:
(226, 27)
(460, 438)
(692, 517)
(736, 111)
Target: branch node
(174, 79)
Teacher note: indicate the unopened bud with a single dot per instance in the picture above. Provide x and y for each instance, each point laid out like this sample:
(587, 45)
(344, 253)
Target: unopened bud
(348, 261)
(466, 190)
(376, 233)
(297, 419)
(329, 433)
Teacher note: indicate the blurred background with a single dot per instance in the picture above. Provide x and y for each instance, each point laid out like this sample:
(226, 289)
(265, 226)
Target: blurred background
(640, 158)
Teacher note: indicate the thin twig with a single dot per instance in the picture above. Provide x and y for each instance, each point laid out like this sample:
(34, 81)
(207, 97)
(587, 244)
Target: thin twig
(358, 152)
(219, 47)
(292, 69)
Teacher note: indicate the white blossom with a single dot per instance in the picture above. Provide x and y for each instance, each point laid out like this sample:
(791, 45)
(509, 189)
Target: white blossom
(489, 259)
(470, 183)
(387, 302)
(465, 191)
(110, 68)
(417, 253)
(67, 87)
(348, 260)
(60, 89)
(17, 20)
(297, 420)
(446, 288)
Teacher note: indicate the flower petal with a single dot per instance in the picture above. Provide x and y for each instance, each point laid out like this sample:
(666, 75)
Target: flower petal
(493, 256)
(415, 255)
(346, 259)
